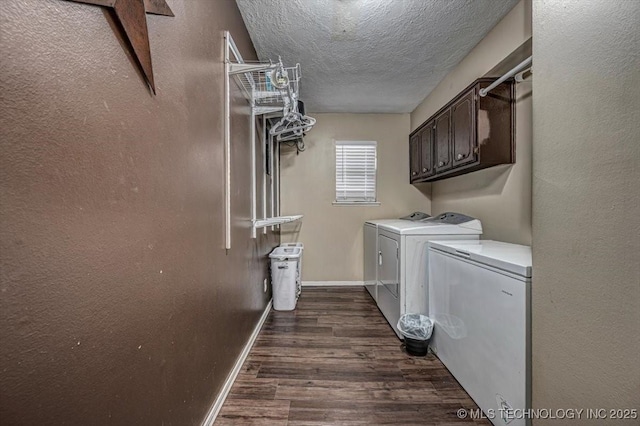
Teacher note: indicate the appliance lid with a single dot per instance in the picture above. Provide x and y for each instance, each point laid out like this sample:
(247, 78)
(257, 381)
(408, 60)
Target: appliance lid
(420, 228)
(444, 224)
(377, 222)
(514, 258)
(448, 223)
(413, 217)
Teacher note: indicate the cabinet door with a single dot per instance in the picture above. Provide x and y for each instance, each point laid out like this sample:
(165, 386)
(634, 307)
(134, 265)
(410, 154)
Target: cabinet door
(388, 264)
(414, 157)
(442, 135)
(426, 150)
(463, 130)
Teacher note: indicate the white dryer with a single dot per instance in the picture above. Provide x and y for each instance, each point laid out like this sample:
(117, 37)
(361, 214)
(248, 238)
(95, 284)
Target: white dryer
(370, 234)
(370, 260)
(402, 268)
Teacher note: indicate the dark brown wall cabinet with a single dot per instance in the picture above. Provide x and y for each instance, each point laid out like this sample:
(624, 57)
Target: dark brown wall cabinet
(421, 146)
(468, 134)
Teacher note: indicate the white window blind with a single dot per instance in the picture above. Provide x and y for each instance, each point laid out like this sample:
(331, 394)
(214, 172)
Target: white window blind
(356, 164)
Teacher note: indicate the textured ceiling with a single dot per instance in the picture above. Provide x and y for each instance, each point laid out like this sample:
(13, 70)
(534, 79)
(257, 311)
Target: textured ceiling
(369, 55)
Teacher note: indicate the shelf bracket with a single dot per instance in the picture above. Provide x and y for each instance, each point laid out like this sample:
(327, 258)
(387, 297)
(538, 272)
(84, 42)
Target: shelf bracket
(272, 221)
(241, 68)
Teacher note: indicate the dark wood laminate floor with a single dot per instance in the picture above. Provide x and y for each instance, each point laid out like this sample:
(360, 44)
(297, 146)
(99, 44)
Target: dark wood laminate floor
(335, 360)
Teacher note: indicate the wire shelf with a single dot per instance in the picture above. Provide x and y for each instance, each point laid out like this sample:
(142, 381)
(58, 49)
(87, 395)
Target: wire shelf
(272, 88)
(269, 84)
(269, 87)
(272, 221)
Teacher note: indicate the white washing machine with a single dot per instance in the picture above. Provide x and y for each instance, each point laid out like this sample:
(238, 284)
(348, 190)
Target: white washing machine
(402, 264)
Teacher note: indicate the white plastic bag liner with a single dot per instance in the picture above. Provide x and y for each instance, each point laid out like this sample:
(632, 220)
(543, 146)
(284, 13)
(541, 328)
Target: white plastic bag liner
(285, 253)
(415, 326)
(293, 245)
(284, 276)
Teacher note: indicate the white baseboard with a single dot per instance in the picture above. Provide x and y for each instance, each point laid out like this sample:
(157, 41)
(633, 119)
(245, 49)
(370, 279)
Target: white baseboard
(332, 283)
(217, 405)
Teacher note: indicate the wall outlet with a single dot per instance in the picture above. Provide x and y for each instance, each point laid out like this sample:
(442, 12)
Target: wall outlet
(264, 287)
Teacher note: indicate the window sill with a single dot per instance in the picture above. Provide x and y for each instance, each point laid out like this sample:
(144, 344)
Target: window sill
(355, 203)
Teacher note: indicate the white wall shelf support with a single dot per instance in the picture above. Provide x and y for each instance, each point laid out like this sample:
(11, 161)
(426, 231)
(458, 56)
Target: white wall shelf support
(264, 98)
(273, 221)
(242, 68)
(230, 50)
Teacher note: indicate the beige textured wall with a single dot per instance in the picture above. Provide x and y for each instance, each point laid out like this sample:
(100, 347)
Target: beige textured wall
(499, 196)
(586, 205)
(332, 235)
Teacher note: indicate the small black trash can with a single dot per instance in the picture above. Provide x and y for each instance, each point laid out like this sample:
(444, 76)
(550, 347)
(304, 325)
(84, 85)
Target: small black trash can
(416, 329)
(416, 347)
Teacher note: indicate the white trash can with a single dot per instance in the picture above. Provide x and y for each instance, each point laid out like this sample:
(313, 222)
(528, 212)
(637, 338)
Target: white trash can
(284, 277)
(299, 278)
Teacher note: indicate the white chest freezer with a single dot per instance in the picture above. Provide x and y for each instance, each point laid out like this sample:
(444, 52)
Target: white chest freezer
(480, 295)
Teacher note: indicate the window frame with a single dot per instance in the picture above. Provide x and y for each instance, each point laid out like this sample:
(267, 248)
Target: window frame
(354, 202)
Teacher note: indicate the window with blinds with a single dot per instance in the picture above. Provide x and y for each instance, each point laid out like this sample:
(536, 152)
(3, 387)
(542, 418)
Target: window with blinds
(356, 165)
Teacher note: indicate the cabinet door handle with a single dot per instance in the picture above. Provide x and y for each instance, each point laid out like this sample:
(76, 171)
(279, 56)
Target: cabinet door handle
(440, 164)
(414, 173)
(424, 169)
(460, 156)
(380, 258)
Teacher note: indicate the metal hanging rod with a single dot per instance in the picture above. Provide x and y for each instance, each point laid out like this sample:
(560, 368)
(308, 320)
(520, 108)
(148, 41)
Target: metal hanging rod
(522, 65)
(520, 77)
